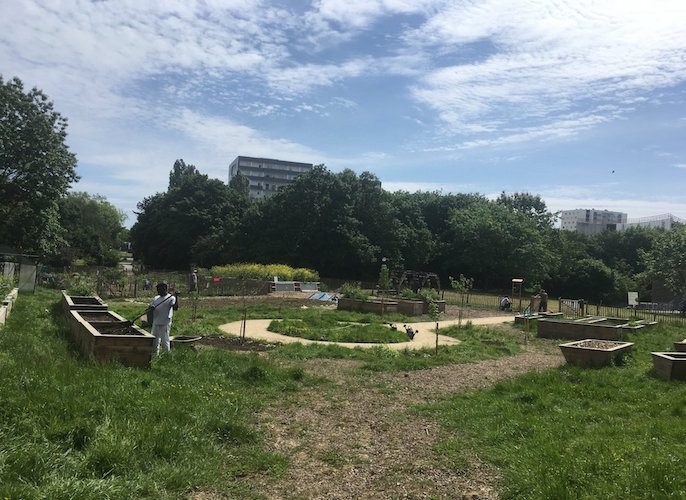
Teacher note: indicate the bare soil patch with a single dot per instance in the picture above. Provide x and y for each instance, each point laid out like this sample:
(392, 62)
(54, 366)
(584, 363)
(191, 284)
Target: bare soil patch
(357, 436)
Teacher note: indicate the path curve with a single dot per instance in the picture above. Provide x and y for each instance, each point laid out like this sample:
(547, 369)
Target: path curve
(425, 337)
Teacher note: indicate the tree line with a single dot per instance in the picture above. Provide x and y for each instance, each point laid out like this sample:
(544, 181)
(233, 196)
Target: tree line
(344, 224)
(341, 224)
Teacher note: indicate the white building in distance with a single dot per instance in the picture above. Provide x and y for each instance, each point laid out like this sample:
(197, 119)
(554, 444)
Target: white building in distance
(266, 176)
(664, 221)
(591, 221)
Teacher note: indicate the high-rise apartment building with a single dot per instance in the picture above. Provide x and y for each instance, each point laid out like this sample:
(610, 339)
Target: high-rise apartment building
(591, 221)
(266, 176)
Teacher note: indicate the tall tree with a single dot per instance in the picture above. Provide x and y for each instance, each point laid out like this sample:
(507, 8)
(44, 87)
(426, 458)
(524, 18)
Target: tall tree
(93, 230)
(36, 169)
(188, 223)
(241, 184)
(667, 259)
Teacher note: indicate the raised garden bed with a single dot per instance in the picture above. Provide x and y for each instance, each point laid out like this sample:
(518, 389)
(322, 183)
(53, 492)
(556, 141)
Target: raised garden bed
(592, 327)
(594, 353)
(372, 306)
(116, 340)
(680, 346)
(82, 303)
(522, 319)
(7, 303)
(670, 365)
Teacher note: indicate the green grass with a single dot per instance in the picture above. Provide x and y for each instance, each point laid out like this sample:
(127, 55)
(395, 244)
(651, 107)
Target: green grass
(478, 343)
(76, 429)
(617, 432)
(209, 318)
(330, 328)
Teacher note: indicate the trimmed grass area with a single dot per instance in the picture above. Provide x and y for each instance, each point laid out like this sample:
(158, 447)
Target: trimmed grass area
(478, 343)
(616, 432)
(208, 319)
(328, 327)
(75, 429)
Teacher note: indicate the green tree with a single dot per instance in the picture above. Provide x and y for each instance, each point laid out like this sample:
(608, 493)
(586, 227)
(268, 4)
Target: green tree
(241, 184)
(36, 169)
(666, 260)
(93, 230)
(191, 222)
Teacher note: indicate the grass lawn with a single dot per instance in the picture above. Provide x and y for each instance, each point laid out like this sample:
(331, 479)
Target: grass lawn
(330, 328)
(616, 432)
(75, 429)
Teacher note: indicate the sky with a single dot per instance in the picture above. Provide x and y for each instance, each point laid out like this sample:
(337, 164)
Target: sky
(580, 101)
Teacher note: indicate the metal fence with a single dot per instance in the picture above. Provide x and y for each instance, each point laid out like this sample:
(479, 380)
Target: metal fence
(576, 308)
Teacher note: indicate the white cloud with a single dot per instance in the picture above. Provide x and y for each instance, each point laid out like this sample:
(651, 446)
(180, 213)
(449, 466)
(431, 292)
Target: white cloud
(680, 165)
(546, 59)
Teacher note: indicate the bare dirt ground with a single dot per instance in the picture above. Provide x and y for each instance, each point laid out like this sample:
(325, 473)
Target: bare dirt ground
(357, 436)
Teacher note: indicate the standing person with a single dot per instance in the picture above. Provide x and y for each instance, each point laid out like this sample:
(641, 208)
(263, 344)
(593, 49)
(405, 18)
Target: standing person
(163, 307)
(193, 285)
(543, 306)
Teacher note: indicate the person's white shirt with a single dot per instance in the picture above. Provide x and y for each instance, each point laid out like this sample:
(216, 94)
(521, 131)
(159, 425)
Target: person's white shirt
(163, 309)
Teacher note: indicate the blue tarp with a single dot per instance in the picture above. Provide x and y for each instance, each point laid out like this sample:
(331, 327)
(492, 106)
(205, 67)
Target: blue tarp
(322, 296)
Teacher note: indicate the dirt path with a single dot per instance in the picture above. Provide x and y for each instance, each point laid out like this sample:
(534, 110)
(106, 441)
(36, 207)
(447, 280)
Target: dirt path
(256, 329)
(357, 437)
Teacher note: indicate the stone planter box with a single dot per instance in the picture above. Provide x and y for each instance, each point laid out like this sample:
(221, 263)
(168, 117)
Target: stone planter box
(594, 353)
(7, 305)
(372, 306)
(670, 365)
(111, 340)
(680, 346)
(82, 303)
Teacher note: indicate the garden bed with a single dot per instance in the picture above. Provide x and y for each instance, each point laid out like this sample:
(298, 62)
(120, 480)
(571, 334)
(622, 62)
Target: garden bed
(82, 303)
(670, 365)
(592, 327)
(680, 346)
(111, 340)
(594, 353)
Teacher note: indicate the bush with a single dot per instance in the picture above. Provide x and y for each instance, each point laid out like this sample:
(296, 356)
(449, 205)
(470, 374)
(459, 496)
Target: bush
(353, 291)
(264, 272)
(6, 286)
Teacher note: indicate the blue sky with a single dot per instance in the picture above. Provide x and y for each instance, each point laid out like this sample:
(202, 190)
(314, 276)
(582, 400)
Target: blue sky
(582, 102)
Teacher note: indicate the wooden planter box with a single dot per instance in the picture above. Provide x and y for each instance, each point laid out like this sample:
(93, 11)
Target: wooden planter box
(82, 303)
(111, 340)
(439, 303)
(522, 319)
(680, 346)
(585, 328)
(594, 353)
(411, 307)
(372, 306)
(670, 365)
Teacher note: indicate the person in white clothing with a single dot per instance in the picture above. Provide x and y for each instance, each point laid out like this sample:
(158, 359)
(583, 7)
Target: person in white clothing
(163, 307)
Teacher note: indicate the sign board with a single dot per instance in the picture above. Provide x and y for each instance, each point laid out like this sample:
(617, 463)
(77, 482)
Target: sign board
(632, 299)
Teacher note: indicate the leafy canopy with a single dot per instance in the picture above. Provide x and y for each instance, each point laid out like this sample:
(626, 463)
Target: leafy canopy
(36, 169)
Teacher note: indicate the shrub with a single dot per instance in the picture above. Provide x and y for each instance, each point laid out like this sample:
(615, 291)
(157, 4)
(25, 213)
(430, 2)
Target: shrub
(264, 272)
(6, 285)
(353, 291)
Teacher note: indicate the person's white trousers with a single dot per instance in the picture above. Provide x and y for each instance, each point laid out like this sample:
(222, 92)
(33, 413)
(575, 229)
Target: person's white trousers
(161, 334)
